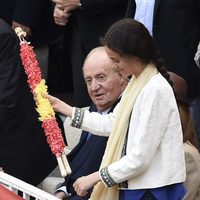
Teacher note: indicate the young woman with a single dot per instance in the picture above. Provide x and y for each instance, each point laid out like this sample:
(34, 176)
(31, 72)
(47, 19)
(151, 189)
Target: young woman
(144, 158)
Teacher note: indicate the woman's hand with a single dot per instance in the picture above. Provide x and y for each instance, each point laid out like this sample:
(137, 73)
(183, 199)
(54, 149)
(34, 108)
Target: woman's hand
(83, 184)
(60, 106)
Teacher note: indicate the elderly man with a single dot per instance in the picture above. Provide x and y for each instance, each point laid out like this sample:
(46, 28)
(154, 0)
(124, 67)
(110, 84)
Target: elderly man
(104, 85)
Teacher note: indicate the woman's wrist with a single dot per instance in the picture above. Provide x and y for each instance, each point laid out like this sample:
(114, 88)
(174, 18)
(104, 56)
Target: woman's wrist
(67, 110)
(96, 177)
(77, 115)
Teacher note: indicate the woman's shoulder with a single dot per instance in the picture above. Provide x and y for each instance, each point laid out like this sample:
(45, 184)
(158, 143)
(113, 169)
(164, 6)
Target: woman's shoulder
(158, 86)
(158, 82)
(189, 148)
(192, 182)
(192, 154)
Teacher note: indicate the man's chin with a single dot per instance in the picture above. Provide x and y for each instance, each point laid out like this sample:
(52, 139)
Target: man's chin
(100, 103)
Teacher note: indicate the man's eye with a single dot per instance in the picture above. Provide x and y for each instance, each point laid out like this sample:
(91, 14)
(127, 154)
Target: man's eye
(115, 60)
(88, 82)
(101, 78)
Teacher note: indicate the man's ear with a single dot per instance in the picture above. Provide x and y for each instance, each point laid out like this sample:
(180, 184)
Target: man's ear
(122, 78)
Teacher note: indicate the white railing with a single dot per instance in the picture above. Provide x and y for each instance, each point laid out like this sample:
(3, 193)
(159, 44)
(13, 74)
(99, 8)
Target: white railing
(15, 185)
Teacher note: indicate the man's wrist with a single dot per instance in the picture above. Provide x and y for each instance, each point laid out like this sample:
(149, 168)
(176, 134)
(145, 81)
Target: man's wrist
(61, 194)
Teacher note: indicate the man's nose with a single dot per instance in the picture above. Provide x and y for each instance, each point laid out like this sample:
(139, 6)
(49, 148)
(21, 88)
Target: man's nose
(95, 85)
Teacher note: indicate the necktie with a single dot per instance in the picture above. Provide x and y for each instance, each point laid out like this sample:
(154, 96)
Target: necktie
(89, 134)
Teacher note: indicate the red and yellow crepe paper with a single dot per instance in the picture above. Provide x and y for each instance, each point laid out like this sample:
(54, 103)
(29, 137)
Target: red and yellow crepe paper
(44, 108)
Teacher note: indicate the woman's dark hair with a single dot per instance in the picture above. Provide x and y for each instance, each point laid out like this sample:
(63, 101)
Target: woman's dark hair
(128, 37)
(189, 133)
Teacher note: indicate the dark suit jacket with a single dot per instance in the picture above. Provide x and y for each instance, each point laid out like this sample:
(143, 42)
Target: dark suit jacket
(86, 26)
(95, 17)
(37, 14)
(6, 10)
(86, 157)
(24, 152)
(176, 29)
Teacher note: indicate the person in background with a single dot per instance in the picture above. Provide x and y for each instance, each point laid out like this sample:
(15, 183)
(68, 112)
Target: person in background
(197, 56)
(169, 22)
(104, 85)
(35, 18)
(191, 148)
(141, 160)
(86, 21)
(24, 152)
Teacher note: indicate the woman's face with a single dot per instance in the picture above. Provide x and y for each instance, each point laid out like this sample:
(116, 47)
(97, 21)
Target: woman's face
(125, 64)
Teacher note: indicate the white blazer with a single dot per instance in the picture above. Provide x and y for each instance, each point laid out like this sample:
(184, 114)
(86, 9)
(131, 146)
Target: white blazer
(154, 155)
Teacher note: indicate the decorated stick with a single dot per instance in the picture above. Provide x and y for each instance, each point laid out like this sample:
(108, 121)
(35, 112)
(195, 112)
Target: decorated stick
(44, 108)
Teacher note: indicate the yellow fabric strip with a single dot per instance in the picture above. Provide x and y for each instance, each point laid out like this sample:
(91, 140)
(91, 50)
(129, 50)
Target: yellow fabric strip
(117, 137)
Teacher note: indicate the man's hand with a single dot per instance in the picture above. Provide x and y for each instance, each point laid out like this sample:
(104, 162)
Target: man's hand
(23, 27)
(60, 194)
(61, 15)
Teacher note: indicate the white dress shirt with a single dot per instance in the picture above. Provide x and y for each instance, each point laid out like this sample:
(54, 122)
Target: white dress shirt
(144, 13)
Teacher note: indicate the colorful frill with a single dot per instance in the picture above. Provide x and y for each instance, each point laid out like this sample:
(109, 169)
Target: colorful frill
(44, 108)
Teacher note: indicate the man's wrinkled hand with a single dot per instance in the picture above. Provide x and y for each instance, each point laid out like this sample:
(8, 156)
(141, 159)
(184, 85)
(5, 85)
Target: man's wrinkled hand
(61, 15)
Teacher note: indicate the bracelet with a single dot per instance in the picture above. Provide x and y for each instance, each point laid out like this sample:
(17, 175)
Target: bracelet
(78, 118)
(106, 177)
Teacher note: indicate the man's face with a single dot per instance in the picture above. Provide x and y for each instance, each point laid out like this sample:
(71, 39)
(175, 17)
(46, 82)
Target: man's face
(103, 81)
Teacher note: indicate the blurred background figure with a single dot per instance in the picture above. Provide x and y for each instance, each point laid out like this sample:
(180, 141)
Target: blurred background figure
(35, 18)
(191, 147)
(86, 21)
(197, 56)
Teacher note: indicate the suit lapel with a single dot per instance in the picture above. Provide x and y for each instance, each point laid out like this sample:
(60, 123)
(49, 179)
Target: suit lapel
(156, 6)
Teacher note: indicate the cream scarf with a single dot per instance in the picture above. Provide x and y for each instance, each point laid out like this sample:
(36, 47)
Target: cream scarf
(117, 137)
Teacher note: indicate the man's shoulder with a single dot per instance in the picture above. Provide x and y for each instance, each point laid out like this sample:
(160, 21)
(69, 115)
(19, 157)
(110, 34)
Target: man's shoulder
(5, 28)
(6, 32)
